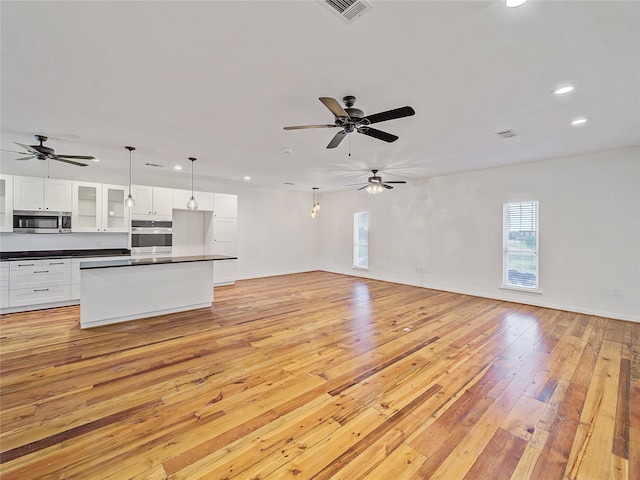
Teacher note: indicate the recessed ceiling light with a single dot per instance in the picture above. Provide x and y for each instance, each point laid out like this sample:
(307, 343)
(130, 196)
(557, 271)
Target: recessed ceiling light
(287, 150)
(579, 121)
(247, 178)
(562, 90)
(177, 167)
(514, 3)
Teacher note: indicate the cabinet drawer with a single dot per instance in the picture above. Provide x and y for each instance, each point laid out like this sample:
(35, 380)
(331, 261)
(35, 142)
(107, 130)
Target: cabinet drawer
(25, 265)
(32, 296)
(44, 276)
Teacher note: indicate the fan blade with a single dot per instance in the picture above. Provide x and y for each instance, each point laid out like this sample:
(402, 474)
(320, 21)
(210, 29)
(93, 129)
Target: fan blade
(356, 184)
(391, 114)
(379, 134)
(298, 127)
(362, 188)
(78, 164)
(13, 151)
(388, 187)
(28, 148)
(396, 181)
(77, 157)
(338, 137)
(333, 105)
(25, 158)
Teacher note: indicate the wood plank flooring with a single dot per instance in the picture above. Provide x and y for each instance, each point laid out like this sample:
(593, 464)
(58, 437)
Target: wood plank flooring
(322, 376)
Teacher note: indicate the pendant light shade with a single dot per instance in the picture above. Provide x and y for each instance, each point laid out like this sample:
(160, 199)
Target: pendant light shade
(192, 204)
(316, 202)
(130, 202)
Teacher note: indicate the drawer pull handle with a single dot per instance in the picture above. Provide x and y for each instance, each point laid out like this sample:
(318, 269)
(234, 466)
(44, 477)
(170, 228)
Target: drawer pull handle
(41, 271)
(26, 264)
(56, 263)
(40, 289)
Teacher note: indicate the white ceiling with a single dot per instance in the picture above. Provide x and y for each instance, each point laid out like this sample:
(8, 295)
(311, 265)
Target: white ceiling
(218, 80)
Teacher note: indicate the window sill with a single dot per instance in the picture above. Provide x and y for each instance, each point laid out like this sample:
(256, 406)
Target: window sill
(360, 268)
(535, 291)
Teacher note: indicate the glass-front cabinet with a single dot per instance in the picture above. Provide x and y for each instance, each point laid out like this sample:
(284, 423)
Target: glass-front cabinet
(99, 208)
(6, 203)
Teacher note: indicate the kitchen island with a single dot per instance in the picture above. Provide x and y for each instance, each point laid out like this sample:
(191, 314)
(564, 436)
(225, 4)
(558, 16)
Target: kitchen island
(115, 291)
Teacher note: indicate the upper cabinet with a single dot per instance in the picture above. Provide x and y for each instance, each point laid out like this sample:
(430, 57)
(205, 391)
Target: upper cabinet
(181, 197)
(46, 194)
(152, 203)
(99, 208)
(225, 205)
(6, 203)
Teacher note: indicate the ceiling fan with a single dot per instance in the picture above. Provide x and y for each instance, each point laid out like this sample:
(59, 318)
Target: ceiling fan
(45, 153)
(350, 119)
(375, 184)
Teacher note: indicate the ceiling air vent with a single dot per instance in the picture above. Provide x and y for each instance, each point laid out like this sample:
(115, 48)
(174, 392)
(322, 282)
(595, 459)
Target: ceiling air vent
(153, 165)
(506, 134)
(348, 10)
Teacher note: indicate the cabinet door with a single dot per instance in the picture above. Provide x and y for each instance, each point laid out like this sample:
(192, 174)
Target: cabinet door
(225, 205)
(6, 203)
(28, 193)
(57, 195)
(115, 215)
(180, 199)
(224, 272)
(162, 201)
(87, 207)
(143, 195)
(205, 201)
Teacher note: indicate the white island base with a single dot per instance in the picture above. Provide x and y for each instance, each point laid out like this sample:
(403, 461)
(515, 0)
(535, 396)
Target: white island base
(124, 290)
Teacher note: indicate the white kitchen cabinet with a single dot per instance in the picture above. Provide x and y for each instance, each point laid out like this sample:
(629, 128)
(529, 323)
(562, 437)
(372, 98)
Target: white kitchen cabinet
(34, 282)
(99, 208)
(152, 203)
(224, 226)
(225, 205)
(6, 203)
(181, 197)
(35, 193)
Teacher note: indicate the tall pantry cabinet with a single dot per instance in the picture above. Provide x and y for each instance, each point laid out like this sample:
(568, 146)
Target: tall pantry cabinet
(222, 237)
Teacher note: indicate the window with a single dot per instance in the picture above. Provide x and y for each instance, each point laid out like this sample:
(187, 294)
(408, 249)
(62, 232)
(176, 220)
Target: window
(361, 240)
(520, 243)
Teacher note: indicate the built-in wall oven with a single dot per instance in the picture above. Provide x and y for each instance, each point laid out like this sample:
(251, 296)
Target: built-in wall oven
(151, 238)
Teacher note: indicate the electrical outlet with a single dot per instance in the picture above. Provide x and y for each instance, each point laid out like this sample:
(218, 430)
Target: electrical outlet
(615, 292)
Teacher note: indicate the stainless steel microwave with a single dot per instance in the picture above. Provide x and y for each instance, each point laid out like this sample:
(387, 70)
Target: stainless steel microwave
(41, 222)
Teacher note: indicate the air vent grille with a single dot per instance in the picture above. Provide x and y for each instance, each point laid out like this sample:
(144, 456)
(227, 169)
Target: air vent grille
(153, 165)
(348, 10)
(506, 134)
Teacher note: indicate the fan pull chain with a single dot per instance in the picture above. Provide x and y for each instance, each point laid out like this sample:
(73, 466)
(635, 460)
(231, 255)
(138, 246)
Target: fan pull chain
(349, 145)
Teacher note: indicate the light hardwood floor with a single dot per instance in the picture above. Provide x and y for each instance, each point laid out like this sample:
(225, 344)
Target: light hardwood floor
(318, 375)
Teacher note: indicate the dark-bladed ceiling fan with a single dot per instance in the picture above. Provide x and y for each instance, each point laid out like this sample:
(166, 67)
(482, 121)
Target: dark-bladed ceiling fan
(375, 184)
(353, 119)
(45, 153)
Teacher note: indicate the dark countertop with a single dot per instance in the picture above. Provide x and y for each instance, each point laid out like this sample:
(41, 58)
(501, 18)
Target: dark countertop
(151, 261)
(99, 252)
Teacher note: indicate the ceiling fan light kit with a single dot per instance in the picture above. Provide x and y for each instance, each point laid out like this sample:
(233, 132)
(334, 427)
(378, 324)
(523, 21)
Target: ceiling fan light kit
(192, 204)
(130, 202)
(375, 185)
(352, 119)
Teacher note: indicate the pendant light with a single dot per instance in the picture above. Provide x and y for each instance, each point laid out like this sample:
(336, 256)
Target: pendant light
(316, 202)
(192, 204)
(130, 202)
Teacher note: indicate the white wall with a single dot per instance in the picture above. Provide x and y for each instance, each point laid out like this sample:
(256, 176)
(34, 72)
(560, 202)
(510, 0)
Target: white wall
(452, 226)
